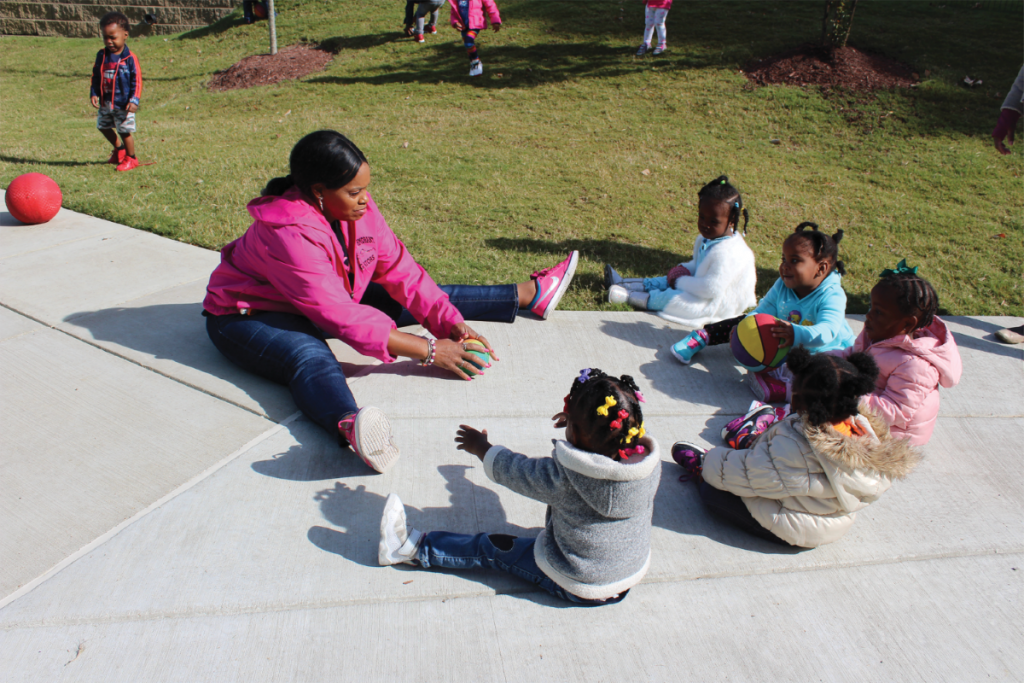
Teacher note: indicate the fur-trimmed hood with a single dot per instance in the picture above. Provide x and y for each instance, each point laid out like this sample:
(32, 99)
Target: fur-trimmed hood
(890, 457)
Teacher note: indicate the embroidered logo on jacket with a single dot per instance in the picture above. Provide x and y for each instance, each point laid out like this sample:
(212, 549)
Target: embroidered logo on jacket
(366, 253)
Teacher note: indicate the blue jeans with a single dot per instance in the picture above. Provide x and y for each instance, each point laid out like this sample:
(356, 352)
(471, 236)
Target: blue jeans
(732, 509)
(289, 349)
(495, 551)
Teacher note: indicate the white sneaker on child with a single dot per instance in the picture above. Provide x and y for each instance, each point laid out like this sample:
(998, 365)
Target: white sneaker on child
(397, 544)
(476, 68)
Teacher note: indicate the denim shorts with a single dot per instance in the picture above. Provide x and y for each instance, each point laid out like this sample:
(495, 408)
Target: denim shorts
(121, 119)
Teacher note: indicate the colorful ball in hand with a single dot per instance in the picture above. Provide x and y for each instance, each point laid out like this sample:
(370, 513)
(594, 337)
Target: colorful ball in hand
(753, 344)
(33, 198)
(480, 351)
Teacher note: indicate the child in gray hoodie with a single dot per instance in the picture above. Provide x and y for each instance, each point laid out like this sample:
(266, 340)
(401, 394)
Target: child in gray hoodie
(599, 485)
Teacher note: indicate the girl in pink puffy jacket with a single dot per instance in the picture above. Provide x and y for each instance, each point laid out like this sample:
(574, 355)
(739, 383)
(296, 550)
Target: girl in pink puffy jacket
(915, 352)
(655, 12)
(470, 17)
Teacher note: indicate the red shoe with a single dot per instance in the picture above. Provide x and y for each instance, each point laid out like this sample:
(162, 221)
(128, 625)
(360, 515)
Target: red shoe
(552, 283)
(368, 433)
(128, 164)
(431, 29)
(419, 38)
(117, 156)
(766, 388)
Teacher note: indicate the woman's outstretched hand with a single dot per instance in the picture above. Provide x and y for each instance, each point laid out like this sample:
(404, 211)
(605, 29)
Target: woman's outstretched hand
(472, 441)
(462, 332)
(454, 357)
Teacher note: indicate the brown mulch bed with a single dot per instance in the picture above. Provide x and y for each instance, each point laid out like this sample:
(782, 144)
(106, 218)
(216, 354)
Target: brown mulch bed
(845, 67)
(294, 61)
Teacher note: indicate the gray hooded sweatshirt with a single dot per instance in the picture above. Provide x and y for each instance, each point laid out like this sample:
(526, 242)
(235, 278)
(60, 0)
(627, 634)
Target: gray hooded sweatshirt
(596, 541)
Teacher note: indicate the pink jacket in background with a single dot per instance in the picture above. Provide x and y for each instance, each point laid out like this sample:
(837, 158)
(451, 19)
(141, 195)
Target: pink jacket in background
(289, 260)
(659, 4)
(910, 370)
(477, 20)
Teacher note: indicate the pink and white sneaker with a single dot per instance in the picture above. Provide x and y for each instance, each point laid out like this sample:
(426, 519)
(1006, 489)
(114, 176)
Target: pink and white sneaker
(766, 388)
(552, 283)
(368, 433)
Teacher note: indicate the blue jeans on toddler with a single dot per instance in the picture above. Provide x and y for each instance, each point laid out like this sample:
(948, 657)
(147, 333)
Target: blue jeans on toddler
(510, 554)
(289, 349)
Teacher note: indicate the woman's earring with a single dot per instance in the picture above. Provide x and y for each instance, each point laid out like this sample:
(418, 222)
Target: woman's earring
(321, 200)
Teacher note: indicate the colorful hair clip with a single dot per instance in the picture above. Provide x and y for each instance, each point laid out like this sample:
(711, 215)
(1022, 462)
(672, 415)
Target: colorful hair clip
(633, 431)
(584, 375)
(623, 414)
(615, 424)
(609, 401)
(626, 453)
(639, 396)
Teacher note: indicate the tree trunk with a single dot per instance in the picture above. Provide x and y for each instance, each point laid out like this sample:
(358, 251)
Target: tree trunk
(272, 21)
(837, 22)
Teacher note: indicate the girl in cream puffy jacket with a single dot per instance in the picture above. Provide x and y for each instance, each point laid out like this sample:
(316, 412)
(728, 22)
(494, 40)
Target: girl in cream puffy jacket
(803, 480)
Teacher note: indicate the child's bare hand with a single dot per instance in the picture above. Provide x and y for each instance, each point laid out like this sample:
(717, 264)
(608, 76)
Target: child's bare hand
(496, 27)
(783, 331)
(472, 441)
(132, 108)
(459, 26)
(561, 419)
(95, 102)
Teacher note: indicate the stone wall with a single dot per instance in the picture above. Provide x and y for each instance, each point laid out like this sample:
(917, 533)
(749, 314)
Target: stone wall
(81, 19)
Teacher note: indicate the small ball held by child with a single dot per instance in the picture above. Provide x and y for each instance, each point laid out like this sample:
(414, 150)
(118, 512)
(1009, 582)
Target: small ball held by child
(33, 198)
(753, 344)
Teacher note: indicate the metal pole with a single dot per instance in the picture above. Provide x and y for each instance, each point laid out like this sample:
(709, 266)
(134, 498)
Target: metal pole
(273, 26)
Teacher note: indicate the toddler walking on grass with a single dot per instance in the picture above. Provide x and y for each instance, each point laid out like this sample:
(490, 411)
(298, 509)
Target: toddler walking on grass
(599, 485)
(470, 17)
(115, 90)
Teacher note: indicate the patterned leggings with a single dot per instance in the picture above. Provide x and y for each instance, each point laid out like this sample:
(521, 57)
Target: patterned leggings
(718, 333)
(469, 40)
(654, 19)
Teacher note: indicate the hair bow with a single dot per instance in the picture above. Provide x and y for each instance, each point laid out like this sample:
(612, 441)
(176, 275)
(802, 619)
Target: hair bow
(616, 424)
(625, 453)
(608, 403)
(584, 375)
(639, 396)
(900, 269)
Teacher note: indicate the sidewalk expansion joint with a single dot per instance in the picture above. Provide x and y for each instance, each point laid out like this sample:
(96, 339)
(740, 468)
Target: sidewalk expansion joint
(103, 235)
(229, 611)
(136, 363)
(99, 541)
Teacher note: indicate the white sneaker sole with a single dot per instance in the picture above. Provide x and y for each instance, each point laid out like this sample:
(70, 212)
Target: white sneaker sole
(675, 354)
(563, 286)
(392, 549)
(374, 441)
(477, 70)
(618, 294)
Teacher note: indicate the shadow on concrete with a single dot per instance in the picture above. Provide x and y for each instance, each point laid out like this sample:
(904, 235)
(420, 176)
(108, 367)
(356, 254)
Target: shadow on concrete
(177, 332)
(988, 343)
(313, 464)
(678, 508)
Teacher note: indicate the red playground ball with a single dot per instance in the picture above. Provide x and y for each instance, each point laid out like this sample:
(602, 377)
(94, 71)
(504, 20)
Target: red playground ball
(33, 198)
(753, 344)
(260, 10)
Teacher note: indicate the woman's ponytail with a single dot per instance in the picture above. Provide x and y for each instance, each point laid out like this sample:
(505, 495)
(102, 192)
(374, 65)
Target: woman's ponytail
(278, 186)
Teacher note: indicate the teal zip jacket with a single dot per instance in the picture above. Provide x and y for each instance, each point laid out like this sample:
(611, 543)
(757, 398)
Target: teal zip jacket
(819, 319)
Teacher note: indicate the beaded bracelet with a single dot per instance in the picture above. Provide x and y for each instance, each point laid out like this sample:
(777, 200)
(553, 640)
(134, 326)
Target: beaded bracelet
(429, 360)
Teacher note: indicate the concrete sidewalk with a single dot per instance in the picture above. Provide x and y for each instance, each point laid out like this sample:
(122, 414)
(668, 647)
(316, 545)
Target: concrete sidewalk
(166, 517)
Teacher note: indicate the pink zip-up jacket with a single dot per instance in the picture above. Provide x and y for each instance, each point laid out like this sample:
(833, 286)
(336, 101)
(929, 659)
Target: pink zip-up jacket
(477, 20)
(289, 260)
(911, 368)
(659, 4)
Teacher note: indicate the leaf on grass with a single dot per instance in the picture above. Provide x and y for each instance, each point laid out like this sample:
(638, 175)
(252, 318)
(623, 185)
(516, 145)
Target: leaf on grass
(646, 171)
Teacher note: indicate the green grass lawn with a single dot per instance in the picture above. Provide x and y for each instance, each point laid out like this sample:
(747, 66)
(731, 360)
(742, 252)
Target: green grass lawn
(548, 150)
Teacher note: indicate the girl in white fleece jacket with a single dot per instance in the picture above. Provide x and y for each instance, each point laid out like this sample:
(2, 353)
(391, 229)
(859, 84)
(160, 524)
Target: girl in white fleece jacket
(717, 283)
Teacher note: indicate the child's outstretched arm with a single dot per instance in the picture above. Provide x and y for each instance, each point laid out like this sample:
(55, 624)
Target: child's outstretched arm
(472, 441)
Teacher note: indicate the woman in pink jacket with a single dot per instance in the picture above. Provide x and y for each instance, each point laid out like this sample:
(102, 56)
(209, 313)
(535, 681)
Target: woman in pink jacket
(914, 350)
(320, 262)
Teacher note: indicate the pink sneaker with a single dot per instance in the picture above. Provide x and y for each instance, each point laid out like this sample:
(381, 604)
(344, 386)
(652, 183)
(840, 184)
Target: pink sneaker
(552, 283)
(368, 433)
(419, 38)
(766, 388)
